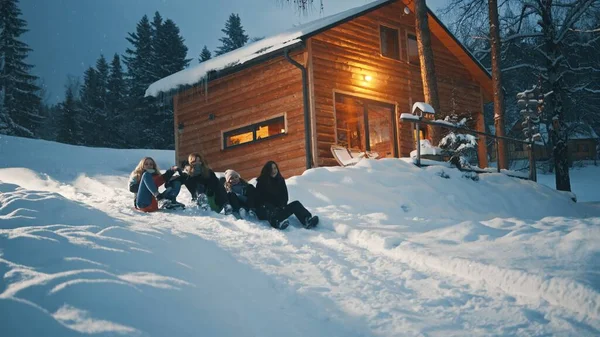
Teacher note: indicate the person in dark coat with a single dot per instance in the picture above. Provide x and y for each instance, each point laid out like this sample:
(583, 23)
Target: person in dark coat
(272, 200)
(241, 195)
(203, 184)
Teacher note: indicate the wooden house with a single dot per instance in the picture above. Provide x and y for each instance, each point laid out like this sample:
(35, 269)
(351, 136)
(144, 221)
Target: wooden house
(343, 79)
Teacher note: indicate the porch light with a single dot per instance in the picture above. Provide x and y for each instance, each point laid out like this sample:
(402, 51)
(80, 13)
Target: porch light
(368, 78)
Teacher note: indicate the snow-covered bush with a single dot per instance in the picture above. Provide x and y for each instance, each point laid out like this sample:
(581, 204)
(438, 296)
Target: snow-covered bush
(461, 148)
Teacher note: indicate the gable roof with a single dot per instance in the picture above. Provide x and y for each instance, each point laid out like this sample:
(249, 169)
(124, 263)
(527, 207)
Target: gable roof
(272, 46)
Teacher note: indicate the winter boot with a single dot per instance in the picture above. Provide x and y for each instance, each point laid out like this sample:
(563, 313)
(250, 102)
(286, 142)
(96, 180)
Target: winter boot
(252, 215)
(311, 222)
(227, 209)
(176, 205)
(202, 202)
(279, 224)
(164, 204)
(243, 214)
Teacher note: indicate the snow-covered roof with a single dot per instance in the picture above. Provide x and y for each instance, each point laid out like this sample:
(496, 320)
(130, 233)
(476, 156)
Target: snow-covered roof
(254, 50)
(287, 39)
(424, 107)
(583, 131)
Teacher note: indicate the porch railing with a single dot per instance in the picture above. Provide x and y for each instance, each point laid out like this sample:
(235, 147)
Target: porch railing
(419, 120)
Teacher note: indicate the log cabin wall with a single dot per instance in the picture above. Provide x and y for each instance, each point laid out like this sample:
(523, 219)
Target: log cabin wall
(252, 95)
(340, 57)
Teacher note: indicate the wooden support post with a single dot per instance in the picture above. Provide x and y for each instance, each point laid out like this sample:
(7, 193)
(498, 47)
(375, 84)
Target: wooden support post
(532, 168)
(418, 145)
(497, 154)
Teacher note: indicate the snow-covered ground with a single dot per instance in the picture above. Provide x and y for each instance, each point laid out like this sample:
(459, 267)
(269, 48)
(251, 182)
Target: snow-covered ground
(400, 251)
(585, 182)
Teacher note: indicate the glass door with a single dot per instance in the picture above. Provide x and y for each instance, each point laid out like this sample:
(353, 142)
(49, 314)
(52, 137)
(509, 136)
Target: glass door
(365, 125)
(350, 119)
(381, 129)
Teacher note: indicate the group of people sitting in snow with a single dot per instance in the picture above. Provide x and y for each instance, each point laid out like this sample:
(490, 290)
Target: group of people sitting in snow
(231, 194)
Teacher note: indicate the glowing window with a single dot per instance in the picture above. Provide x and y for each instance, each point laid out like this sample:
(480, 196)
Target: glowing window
(254, 132)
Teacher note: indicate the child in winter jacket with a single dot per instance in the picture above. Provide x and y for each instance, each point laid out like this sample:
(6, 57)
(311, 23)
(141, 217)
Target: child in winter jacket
(145, 181)
(204, 186)
(241, 195)
(273, 200)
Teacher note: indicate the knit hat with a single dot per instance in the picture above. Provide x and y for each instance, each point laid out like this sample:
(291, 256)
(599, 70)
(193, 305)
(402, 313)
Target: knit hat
(231, 174)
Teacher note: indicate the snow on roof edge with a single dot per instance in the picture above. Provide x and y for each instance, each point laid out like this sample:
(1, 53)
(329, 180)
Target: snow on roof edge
(251, 51)
(424, 107)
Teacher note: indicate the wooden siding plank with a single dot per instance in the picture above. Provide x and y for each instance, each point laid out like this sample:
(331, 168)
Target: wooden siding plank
(255, 94)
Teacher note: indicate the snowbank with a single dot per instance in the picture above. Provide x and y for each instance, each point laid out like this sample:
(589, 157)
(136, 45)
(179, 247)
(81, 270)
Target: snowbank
(400, 250)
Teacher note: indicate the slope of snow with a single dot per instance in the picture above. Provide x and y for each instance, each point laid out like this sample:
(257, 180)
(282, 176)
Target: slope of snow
(584, 182)
(400, 251)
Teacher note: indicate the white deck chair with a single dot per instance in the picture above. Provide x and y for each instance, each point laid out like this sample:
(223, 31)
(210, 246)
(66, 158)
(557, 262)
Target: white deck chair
(343, 156)
(356, 153)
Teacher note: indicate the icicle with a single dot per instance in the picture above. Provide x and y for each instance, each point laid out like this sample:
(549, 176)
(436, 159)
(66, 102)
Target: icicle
(206, 87)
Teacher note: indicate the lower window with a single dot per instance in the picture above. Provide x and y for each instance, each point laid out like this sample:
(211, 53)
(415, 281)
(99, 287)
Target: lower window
(254, 132)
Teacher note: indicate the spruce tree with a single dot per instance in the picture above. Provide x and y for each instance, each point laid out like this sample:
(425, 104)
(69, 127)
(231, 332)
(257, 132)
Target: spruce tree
(100, 108)
(102, 81)
(157, 51)
(234, 35)
(170, 54)
(69, 131)
(170, 50)
(117, 123)
(157, 23)
(5, 120)
(90, 100)
(140, 74)
(21, 102)
(205, 55)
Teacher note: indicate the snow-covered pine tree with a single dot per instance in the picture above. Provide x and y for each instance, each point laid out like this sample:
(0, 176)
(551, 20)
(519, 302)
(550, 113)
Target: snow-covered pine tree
(117, 121)
(234, 35)
(140, 74)
(204, 55)
(461, 147)
(21, 102)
